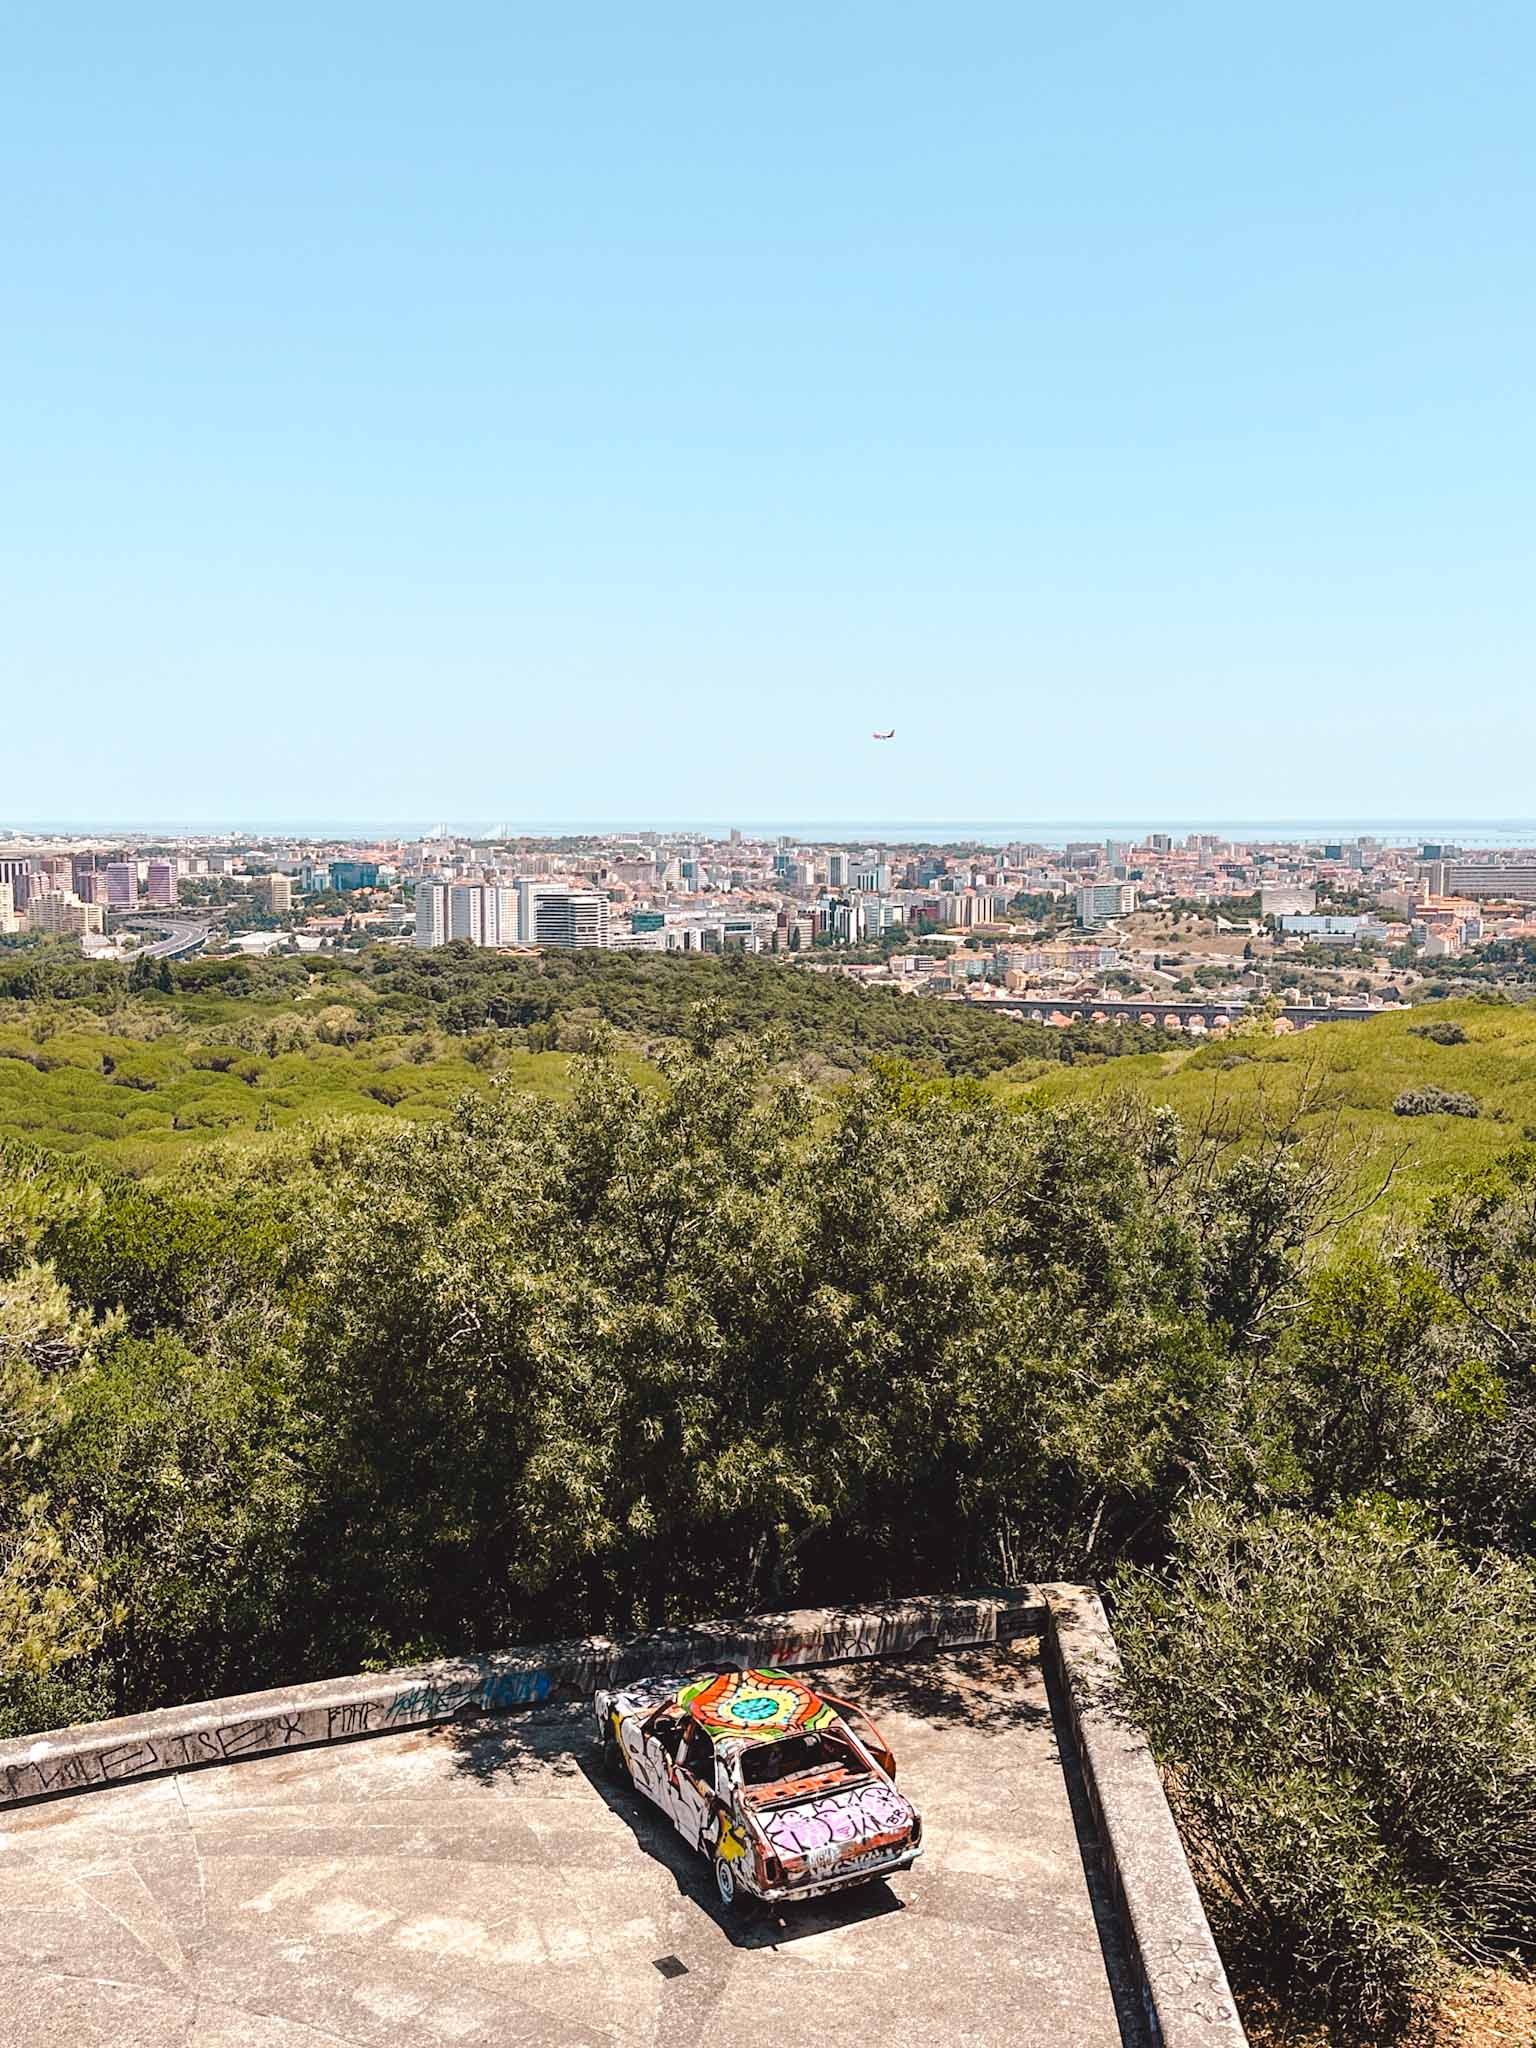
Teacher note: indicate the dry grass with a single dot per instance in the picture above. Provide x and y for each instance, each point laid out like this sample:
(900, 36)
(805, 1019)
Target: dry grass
(1495, 2009)
(1489, 2009)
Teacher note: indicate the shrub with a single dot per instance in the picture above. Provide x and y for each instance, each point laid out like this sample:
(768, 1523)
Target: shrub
(1435, 1102)
(1440, 1031)
(1346, 1712)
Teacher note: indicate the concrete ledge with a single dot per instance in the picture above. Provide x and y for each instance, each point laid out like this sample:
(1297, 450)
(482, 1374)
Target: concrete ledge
(103, 1753)
(1188, 2000)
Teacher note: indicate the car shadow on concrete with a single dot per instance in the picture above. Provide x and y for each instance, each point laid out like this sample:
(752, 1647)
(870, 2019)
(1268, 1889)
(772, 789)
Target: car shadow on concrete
(559, 1738)
(751, 1925)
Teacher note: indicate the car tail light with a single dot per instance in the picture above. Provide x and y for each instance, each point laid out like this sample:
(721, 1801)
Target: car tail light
(917, 1829)
(769, 1868)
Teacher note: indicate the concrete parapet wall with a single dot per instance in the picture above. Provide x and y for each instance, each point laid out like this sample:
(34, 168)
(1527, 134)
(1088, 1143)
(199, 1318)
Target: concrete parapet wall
(1184, 1985)
(340, 1709)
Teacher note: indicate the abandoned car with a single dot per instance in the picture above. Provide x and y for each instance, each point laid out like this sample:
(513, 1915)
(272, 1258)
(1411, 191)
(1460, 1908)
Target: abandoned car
(788, 1792)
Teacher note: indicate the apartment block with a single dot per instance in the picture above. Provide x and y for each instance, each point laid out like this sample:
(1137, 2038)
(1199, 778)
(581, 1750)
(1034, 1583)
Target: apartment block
(1098, 902)
(484, 913)
(552, 916)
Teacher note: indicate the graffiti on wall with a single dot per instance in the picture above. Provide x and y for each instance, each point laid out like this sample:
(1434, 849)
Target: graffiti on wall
(78, 1769)
(438, 1700)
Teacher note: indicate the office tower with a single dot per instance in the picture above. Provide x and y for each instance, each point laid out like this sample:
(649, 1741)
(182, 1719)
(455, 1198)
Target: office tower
(18, 874)
(346, 875)
(122, 883)
(160, 888)
(552, 916)
(837, 870)
(276, 891)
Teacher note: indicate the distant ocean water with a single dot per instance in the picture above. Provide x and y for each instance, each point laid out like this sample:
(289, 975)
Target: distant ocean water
(1469, 832)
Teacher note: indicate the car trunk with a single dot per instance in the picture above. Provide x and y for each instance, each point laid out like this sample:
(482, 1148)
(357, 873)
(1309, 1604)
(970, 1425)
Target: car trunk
(816, 1834)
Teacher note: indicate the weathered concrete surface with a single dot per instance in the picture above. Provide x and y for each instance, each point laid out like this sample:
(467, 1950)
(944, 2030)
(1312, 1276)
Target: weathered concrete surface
(479, 1884)
(1184, 1986)
(101, 1753)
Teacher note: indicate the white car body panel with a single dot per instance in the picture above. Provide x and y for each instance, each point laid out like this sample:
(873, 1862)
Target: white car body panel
(818, 1840)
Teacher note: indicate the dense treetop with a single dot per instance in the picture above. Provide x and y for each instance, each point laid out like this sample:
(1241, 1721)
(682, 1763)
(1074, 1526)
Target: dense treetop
(713, 1324)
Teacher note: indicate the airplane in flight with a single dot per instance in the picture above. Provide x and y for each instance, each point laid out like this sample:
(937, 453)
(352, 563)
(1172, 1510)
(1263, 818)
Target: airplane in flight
(884, 735)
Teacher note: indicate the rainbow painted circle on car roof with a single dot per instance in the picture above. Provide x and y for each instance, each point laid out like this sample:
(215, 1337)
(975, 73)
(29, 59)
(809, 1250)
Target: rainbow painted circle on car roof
(754, 1705)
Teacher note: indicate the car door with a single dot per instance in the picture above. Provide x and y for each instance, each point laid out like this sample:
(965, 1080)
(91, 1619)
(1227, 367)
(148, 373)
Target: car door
(689, 1788)
(650, 1742)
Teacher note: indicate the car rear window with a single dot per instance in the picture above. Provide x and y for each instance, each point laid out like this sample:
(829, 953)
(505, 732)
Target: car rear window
(797, 1756)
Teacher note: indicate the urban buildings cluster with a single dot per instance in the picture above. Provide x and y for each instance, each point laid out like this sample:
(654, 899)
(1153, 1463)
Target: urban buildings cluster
(974, 920)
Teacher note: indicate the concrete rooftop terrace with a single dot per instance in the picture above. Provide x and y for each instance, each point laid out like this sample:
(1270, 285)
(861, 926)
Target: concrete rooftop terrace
(482, 1883)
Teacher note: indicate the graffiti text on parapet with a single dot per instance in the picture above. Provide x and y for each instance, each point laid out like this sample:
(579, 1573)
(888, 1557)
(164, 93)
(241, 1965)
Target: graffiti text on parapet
(74, 1771)
(433, 1701)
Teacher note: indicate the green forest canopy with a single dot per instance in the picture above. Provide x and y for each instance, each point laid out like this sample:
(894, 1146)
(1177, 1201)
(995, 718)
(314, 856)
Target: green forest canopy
(712, 1319)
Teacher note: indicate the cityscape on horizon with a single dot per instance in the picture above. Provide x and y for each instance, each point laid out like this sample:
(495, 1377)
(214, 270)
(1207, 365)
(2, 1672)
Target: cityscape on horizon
(1182, 929)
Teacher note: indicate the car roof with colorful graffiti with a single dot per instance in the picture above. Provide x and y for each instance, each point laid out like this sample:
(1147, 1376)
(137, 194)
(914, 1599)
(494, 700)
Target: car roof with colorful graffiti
(754, 1706)
(735, 1706)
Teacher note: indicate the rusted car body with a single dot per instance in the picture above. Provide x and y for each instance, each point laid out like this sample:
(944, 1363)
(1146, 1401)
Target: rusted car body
(790, 1793)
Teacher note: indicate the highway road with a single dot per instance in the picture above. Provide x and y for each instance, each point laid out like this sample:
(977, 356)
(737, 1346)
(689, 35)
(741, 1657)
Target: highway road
(180, 939)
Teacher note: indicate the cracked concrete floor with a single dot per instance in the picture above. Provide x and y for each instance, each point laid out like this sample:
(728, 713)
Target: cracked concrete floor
(482, 1885)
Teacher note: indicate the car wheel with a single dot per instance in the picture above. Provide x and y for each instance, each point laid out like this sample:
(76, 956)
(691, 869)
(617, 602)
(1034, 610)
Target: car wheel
(733, 1897)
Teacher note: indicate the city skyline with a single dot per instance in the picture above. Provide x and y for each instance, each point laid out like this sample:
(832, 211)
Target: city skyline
(1332, 925)
(1397, 832)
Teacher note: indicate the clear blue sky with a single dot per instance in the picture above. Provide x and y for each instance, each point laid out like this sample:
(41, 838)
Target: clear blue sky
(612, 411)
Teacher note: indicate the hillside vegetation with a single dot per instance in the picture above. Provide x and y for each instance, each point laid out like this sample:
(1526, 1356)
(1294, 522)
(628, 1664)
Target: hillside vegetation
(1346, 1078)
(704, 1318)
(139, 1103)
(136, 1067)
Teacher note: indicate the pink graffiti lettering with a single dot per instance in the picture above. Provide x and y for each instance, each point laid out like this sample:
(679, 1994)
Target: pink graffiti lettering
(839, 1817)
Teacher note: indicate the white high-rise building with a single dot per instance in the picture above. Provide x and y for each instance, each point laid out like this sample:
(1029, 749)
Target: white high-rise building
(552, 916)
(484, 913)
(1516, 882)
(431, 914)
(1100, 901)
